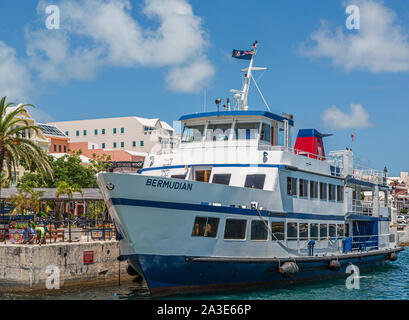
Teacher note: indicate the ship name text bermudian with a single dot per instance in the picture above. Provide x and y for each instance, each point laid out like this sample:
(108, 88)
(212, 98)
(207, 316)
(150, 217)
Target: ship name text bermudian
(158, 183)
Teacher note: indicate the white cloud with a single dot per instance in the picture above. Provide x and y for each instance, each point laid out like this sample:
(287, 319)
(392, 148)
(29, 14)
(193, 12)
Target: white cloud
(98, 33)
(356, 118)
(15, 79)
(380, 45)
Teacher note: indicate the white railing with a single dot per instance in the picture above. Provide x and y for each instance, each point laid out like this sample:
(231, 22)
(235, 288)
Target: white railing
(362, 207)
(369, 175)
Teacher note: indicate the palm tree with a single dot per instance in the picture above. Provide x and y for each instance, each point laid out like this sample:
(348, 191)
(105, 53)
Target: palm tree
(35, 198)
(14, 147)
(20, 202)
(65, 189)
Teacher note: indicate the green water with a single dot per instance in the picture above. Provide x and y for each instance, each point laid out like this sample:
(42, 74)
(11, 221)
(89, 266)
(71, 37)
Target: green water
(388, 282)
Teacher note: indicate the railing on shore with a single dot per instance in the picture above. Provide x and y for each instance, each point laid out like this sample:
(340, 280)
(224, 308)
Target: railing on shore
(73, 230)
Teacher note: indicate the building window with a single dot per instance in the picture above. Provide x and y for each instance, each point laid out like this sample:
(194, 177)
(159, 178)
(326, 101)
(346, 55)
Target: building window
(255, 181)
(313, 189)
(122, 130)
(77, 133)
(114, 130)
(85, 132)
(66, 133)
(314, 231)
(133, 143)
(277, 231)
(122, 144)
(59, 149)
(291, 186)
(323, 231)
(65, 149)
(205, 227)
(141, 144)
(292, 231)
(258, 230)
(221, 178)
(103, 131)
(55, 148)
(303, 231)
(323, 191)
(114, 144)
(340, 193)
(331, 192)
(235, 229)
(103, 145)
(303, 188)
(96, 131)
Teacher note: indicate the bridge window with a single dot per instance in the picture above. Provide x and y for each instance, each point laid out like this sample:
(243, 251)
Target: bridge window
(277, 231)
(205, 227)
(179, 176)
(331, 192)
(323, 231)
(340, 193)
(332, 231)
(246, 131)
(192, 133)
(255, 181)
(291, 186)
(314, 231)
(202, 175)
(340, 230)
(265, 134)
(303, 188)
(323, 191)
(218, 132)
(313, 189)
(292, 231)
(303, 231)
(235, 229)
(258, 230)
(221, 178)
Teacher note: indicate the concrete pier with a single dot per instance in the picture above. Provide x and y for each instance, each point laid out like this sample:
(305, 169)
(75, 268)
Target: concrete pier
(33, 267)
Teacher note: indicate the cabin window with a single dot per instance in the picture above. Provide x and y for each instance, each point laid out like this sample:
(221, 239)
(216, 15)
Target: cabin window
(303, 188)
(205, 227)
(292, 231)
(291, 186)
(218, 132)
(255, 181)
(179, 176)
(221, 178)
(235, 229)
(246, 131)
(202, 175)
(313, 189)
(314, 231)
(192, 133)
(331, 192)
(303, 231)
(277, 231)
(323, 191)
(340, 193)
(340, 230)
(258, 230)
(323, 231)
(332, 230)
(265, 134)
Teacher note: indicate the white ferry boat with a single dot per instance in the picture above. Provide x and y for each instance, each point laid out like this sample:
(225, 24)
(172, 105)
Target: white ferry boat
(236, 205)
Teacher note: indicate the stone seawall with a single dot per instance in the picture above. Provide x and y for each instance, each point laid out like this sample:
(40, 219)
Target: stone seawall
(24, 267)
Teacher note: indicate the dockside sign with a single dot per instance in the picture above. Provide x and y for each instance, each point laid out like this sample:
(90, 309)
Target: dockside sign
(159, 183)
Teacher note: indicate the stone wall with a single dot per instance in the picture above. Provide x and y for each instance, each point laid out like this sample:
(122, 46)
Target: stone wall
(23, 267)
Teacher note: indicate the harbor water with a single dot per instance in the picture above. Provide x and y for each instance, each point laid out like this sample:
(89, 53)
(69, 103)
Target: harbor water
(385, 283)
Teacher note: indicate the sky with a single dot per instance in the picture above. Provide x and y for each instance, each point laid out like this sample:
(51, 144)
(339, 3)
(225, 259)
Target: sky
(335, 69)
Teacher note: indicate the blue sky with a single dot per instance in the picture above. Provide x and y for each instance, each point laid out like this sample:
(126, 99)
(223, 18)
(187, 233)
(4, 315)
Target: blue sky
(154, 58)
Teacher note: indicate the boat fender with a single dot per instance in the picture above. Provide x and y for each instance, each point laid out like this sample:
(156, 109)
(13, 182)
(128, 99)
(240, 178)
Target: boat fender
(393, 256)
(131, 271)
(288, 269)
(334, 265)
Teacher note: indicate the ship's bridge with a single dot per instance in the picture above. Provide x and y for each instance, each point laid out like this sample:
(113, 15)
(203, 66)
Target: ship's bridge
(236, 128)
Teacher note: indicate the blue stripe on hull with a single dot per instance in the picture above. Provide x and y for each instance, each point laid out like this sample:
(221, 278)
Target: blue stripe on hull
(174, 274)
